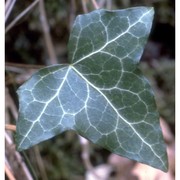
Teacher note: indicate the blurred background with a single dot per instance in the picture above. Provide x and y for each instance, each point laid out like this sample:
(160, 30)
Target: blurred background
(27, 50)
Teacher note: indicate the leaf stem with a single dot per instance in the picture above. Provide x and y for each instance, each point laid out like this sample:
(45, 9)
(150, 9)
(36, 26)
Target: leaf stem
(47, 37)
(20, 16)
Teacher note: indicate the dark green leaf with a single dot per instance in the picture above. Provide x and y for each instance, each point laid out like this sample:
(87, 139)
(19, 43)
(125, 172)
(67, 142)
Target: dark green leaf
(102, 95)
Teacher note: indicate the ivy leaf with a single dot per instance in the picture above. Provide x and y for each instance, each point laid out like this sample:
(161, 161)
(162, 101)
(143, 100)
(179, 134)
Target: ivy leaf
(101, 95)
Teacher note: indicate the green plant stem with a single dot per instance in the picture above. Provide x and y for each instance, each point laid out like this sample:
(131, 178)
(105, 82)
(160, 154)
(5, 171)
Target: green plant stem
(20, 16)
(47, 37)
(29, 165)
(40, 163)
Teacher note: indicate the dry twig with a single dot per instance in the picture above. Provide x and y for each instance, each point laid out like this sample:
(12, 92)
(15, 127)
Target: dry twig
(72, 13)
(10, 127)
(20, 16)
(84, 6)
(8, 8)
(9, 173)
(10, 105)
(86, 155)
(96, 6)
(47, 37)
(15, 160)
(26, 66)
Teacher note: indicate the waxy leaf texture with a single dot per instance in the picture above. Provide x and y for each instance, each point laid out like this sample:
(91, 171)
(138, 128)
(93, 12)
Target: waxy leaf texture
(101, 94)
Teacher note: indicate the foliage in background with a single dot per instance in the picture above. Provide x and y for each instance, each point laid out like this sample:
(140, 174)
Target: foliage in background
(162, 78)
